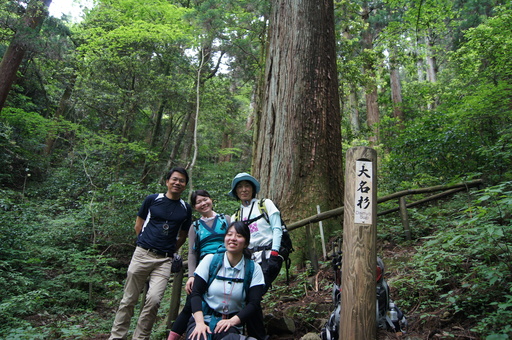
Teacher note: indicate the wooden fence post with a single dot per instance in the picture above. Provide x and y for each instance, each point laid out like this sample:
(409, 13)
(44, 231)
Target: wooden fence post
(358, 294)
(312, 248)
(174, 308)
(404, 217)
(324, 251)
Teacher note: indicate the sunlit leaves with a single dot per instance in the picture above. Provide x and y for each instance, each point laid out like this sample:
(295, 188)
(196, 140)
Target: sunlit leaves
(486, 54)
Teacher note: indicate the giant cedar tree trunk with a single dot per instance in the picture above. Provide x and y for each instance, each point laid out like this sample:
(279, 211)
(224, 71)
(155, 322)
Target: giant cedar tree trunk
(37, 10)
(298, 157)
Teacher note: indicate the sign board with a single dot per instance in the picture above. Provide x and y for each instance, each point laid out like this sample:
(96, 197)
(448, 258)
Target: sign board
(363, 204)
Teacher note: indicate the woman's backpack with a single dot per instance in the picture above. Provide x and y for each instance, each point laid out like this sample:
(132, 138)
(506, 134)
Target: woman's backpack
(286, 242)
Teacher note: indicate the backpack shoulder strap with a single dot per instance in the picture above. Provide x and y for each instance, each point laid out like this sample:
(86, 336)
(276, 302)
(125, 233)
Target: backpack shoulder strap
(249, 270)
(263, 209)
(223, 220)
(262, 206)
(214, 267)
(196, 242)
(237, 215)
(217, 263)
(184, 205)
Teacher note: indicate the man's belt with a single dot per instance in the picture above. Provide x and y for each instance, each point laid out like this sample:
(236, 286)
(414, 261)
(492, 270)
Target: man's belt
(158, 252)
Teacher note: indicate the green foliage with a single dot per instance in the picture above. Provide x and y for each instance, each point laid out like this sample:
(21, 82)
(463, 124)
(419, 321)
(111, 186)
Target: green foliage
(216, 179)
(26, 332)
(483, 57)
(431, 149)
(466, 134)
(22, 139)
(463, 269)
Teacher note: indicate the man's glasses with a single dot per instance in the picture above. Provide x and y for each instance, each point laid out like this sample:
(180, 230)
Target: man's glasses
(176, 179)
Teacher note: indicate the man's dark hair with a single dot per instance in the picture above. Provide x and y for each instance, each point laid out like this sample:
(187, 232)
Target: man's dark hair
(177, 169)
(200, 192)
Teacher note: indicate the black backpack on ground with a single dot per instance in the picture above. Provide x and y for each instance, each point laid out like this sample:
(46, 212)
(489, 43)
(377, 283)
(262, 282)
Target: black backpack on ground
(389, 316)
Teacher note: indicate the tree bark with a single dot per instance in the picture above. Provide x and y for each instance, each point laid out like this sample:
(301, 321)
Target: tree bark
(227, 143)
(37, 11)
(64, 106)
(353, 109)
(298, 157)
(396, 93)
(371, 96)
(431, 70)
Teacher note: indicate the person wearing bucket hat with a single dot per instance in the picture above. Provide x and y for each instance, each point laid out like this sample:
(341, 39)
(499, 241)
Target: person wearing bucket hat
(244, 176)
(266, 233)
(265, 226)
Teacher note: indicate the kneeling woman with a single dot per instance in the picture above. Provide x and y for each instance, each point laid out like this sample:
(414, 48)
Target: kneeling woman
(227, 289)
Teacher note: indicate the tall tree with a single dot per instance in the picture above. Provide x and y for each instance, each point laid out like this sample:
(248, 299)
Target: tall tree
(298, 156)
(36, 12)
(396, 91)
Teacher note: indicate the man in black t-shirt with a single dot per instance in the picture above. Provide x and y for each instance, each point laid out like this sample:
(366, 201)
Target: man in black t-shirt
(162, 227)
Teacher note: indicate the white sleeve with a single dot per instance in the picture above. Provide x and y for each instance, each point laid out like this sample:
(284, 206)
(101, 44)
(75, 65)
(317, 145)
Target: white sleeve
(203, 268)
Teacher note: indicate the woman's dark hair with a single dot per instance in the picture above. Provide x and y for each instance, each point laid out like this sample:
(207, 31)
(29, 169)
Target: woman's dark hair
(243, 229)
(196, 193)
(177, 169)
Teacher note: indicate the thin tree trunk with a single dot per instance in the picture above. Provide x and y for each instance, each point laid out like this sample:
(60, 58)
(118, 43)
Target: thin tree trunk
(352, 98)
(431, 63)
(148, 166)
(37, 11)
(354, 110)
(396, 93)
(372, 111)
(196, 118)
(431, 71)
(372, 108)
(227, 143)
(64, 106)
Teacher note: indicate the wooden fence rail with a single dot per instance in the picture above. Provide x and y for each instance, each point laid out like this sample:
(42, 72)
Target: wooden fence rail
(450, 189)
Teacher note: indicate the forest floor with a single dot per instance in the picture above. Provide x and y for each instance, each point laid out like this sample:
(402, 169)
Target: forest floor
(313, 309)
(308, 301)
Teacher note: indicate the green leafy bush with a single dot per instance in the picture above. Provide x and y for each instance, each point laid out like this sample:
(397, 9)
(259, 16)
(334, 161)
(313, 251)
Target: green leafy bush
(464, 268)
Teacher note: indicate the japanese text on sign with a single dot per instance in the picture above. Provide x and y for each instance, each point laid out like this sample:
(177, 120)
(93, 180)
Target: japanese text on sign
(364, 185)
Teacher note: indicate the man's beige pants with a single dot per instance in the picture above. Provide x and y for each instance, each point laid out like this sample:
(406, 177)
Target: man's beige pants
(144, 264)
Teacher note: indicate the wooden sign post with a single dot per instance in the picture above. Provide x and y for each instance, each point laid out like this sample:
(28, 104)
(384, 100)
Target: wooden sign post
(358, 293)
